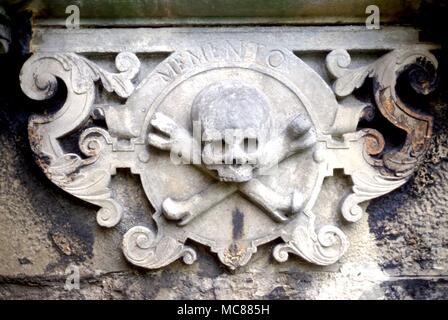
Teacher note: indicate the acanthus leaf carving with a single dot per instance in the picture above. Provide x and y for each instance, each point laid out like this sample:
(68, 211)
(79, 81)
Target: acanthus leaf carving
(394, 166)
(385, 72)
(367, 187)
(85, 72)
(323, 248)
(144, 248)
(347, 80)
(78, 176)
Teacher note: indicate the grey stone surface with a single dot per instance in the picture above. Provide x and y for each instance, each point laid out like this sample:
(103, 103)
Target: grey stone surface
(398, 248)
(166, 40)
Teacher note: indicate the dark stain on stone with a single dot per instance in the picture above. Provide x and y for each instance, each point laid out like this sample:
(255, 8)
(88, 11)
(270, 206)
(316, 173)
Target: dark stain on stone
(238, 224)
(62, 214)
(278, 293)
(208, 263)
(24, 261)
(128, 186)
(71, 229)
(419, 289)
(383, 209)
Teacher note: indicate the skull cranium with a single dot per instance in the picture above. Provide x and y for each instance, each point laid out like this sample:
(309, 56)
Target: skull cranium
(235, 125)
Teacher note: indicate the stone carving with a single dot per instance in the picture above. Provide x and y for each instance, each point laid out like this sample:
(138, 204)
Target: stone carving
(394, 166)
(87, 178)
(232, 142)
(236, 133)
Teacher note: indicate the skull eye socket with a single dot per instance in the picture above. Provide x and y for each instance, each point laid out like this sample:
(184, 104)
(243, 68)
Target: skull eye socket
(250, 145)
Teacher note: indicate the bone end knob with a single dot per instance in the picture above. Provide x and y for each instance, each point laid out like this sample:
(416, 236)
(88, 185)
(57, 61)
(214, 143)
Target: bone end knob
(299, 126)
(174, 210)
(297, 202)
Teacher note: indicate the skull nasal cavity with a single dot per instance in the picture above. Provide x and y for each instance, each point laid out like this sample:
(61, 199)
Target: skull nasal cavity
(231, 105)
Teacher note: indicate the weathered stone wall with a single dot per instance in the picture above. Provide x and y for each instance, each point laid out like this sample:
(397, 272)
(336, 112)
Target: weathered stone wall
(398, 251)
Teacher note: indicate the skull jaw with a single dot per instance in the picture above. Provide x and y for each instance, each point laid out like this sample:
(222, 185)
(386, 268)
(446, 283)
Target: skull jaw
(233, 173)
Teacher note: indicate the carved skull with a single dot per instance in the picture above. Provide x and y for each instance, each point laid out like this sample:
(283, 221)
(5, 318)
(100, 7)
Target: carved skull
(235, 125)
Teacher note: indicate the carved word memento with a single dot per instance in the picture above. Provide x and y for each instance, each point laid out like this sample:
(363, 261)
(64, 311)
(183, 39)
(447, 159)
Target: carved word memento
(232, 142)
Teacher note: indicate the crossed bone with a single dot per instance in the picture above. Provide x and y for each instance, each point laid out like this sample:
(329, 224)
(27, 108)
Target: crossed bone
(298, 135)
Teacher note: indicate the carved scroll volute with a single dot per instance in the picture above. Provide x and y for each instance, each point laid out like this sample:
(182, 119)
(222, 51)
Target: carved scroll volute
(394, 167)
(143, 248)
(421, 67)
(39, 81)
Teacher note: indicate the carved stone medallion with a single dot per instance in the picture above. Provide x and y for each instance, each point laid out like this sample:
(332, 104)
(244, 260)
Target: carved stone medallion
(232, 142)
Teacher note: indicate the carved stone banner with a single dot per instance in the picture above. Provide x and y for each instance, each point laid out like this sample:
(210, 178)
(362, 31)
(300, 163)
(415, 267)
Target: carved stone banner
(232, 141)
